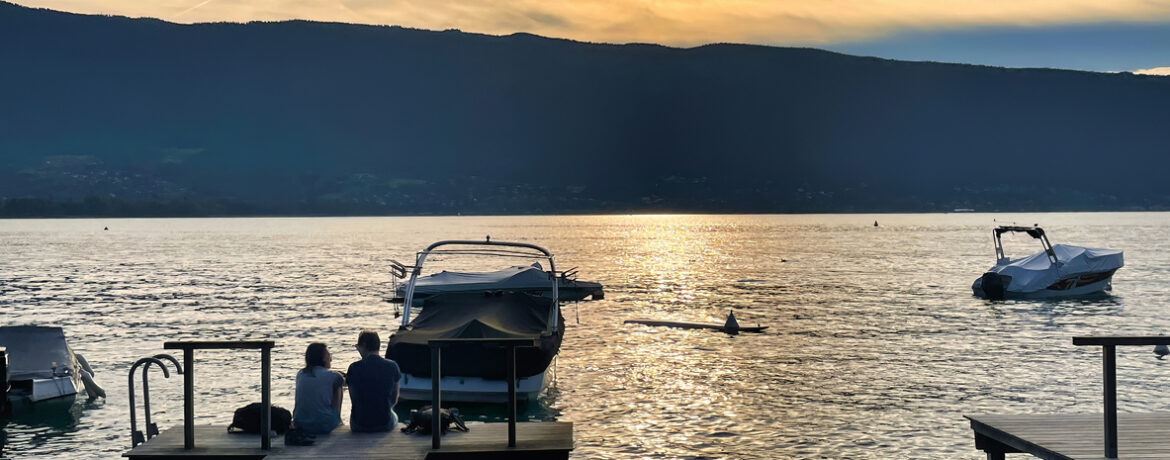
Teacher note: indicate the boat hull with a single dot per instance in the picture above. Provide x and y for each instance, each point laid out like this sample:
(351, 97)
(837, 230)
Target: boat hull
(37, 390)
(472, 389)
(1073, 290)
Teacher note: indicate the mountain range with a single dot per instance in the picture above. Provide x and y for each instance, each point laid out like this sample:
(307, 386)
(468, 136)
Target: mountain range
(104, 115)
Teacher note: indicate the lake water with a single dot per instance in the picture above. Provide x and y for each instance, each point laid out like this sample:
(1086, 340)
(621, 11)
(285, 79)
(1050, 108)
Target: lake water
(875, 346)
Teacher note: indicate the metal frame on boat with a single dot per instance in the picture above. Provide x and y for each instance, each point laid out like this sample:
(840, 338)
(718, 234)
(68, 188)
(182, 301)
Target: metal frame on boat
(416, 270)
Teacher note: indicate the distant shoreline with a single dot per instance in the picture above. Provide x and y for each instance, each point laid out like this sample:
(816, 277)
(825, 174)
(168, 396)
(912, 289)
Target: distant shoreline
(876, 214)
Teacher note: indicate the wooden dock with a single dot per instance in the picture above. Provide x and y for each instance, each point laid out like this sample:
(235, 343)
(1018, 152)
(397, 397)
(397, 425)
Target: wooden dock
(534, 440)
(1108, 435)
(1071, 436)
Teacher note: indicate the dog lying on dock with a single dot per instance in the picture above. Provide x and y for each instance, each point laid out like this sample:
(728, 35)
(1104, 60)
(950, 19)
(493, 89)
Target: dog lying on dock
(422, 420)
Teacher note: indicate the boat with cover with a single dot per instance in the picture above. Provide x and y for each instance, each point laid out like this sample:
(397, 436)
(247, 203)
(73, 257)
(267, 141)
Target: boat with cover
(474, 372)
(41, 366)
(530, 279)
(1058, 271)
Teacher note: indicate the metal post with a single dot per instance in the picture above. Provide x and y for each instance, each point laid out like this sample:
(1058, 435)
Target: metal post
(265, 398)
(145, 400)
(134, 441)
(4, 383)
(188, 398)
(436, 360)
(1109, 361)
(510, 374)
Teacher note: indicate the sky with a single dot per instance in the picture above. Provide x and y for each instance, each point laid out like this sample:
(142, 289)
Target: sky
(1099, 35)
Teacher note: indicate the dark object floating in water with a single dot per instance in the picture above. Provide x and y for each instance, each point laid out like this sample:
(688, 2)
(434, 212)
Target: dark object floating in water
(731, 326)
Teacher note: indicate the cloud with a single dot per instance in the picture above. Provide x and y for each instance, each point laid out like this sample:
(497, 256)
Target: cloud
(671, 22)
(1154, 71)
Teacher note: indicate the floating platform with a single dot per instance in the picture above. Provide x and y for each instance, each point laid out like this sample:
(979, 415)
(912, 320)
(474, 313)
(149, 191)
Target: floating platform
(1071, 436)
(689, 325)
(534, 440)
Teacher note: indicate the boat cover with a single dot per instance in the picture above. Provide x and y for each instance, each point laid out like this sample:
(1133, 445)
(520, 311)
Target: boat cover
(32, 350)
(477, 315)
(516, 277)
(1035, 272)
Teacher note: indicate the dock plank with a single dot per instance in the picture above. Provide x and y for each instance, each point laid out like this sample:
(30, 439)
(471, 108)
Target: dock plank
(1073, 436)
(553, 439)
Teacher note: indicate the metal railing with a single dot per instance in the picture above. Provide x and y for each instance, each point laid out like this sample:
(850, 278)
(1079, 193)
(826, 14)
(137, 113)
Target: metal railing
(265, 347)
(1109, 375)
(136, 437)
(508, 346)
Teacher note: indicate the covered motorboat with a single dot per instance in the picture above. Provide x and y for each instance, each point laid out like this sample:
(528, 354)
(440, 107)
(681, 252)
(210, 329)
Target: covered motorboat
(530, 279)
(475, 371)
(41, 366)
(1058, 271)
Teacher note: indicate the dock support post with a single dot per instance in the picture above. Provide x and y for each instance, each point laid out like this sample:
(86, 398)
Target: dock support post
(265, 398)
(436, 361)
(188, 398)
(1109, 364)
(510, 374)
(4, 382)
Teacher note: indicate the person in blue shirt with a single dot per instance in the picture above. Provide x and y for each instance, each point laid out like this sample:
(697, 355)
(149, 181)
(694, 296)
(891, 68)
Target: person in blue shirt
(373, 387)
(318, 393)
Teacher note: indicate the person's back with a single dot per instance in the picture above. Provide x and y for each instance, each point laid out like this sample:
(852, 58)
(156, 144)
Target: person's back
(318, 393)
(373, 387)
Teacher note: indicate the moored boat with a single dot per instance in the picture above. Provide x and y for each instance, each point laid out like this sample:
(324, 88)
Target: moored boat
(42, 366)
(473, 371)
(1057, 271)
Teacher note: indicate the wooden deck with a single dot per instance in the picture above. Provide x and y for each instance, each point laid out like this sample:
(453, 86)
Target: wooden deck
(552, 440)
(1072, 436)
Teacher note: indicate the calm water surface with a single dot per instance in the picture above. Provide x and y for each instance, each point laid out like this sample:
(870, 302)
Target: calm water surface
(875, 348)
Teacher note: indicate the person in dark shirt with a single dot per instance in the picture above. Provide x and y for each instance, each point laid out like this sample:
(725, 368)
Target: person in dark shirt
(373, 387)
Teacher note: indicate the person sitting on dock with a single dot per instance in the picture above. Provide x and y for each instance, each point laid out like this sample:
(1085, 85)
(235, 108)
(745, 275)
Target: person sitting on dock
(318, 393)
(373, 387)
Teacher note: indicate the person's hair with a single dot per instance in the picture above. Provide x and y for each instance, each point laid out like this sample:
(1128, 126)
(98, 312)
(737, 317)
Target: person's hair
(369, 340)
(314, 356)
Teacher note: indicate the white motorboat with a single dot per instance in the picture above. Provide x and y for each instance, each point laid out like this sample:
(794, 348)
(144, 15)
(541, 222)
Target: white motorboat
(41, 366)
(474, 372)
(1058, 271)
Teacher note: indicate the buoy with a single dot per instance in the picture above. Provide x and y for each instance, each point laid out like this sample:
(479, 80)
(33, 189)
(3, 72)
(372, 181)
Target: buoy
(84, 364)
(731, 326)
(1161, 351)
(91, 387)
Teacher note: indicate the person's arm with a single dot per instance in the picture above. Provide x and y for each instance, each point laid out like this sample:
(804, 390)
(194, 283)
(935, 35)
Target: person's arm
(338, 394)
(394, 390)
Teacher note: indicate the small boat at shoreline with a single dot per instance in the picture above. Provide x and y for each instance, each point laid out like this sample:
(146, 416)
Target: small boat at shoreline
(474, 372)
(1057, 271)
(42, 366)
